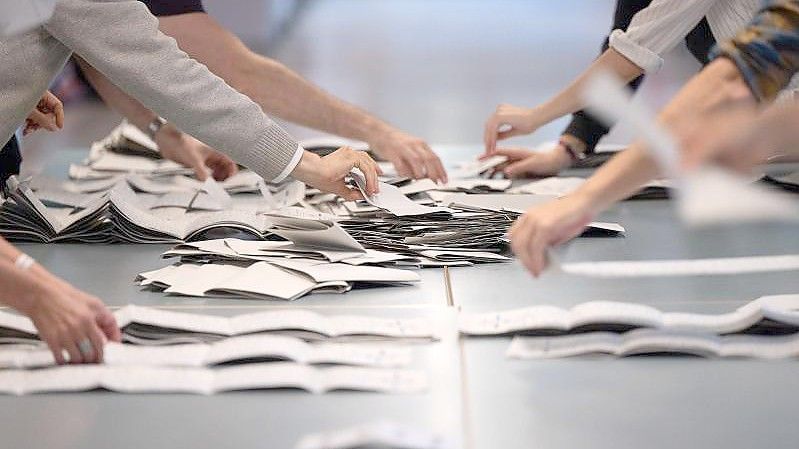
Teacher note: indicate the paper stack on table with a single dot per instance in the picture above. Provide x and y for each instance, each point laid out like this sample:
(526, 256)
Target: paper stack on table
(768, 314)
(656, 342)
(260, 376)
(767, 327)
(203, 354)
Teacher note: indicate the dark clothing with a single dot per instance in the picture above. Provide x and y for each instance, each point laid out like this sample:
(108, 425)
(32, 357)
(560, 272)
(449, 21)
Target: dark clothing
(699, 41)
(10, 160)
(173, 7)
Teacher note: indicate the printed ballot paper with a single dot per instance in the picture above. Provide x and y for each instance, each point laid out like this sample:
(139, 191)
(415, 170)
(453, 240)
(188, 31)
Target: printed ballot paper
(240, 349)
(258, 376)
(766, 314)
(656, 342)
(391, 199)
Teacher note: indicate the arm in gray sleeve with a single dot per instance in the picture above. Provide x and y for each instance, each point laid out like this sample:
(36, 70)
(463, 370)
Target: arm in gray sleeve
(120, 38)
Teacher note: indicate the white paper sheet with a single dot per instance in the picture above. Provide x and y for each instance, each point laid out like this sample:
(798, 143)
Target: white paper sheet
(687, 267)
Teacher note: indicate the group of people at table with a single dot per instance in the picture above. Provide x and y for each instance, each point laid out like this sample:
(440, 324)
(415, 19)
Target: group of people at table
(150, 59)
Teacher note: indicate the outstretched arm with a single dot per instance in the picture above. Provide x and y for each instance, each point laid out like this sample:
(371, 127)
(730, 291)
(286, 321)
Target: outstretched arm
(719, 85)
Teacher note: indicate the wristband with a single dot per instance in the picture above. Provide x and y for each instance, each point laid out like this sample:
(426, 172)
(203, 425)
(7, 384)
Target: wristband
(575, 155)
(154, 126)
(24, 261)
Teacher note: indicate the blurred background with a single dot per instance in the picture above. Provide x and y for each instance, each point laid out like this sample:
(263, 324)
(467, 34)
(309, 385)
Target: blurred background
(435, 68)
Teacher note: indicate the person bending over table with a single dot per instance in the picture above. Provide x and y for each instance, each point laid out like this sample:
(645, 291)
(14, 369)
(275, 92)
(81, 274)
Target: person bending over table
(584, 131)
(752, 67)
(643, 32)
(276, 88)
(120, 38)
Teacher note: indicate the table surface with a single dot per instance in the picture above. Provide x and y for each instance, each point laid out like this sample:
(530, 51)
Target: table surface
(477, 397)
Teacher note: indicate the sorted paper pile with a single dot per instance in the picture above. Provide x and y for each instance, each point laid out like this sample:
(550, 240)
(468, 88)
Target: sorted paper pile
(767, 327)
(148, 326)
(202, 354)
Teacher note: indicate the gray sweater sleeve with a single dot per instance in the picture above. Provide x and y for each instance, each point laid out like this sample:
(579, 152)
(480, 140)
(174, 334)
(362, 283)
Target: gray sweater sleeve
(120, 38)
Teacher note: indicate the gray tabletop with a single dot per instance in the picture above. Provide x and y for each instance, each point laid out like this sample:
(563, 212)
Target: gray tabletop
(478, 398)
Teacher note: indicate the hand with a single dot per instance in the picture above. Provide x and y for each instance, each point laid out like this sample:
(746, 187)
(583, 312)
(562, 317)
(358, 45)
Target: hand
(546, 226)
(411, 156)
(65, 317)
(508, 121)
(523, 163)
(739, 139)
(49, 114)
(328, 173)
(185, 149)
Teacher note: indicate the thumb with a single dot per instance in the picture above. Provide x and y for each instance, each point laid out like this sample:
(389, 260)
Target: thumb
(522, 167)
(198, 165)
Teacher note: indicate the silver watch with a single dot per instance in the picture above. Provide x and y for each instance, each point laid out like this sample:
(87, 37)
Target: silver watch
(155, 126)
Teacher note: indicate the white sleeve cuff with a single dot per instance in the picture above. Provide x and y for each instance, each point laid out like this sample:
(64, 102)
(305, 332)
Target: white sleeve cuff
(292, 165)
(643, 57)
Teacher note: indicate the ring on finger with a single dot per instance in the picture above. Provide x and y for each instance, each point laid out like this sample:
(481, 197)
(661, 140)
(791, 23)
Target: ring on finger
(85, 347)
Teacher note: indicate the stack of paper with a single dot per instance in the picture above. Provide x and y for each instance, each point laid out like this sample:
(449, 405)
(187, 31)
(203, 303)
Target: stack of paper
(562, 186)
(148, 326)
(235, 350)
(150, 379)
(654, 342)
(768, 314)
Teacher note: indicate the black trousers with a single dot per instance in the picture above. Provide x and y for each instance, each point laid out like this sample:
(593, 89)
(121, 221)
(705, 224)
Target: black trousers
(699, 42)
(10, 160)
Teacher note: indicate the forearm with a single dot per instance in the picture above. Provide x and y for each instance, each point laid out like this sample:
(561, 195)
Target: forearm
(283, 93)
(120, 39)
(718, 85)
(20, 289)
(130, 108)
(569, 100)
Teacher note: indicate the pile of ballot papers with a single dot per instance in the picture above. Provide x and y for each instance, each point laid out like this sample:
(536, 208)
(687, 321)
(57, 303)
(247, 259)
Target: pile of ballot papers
(765, 328)
(167, 351)
(124, 191)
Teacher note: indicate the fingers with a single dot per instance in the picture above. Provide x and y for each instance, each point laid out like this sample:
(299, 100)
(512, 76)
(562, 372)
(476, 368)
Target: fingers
(521, 168)
(435, 168)
(490, 134)
(98, 344)
(70, 344)
(52, 104)
(55, 347)
(45, 120)
(108, 325)
(368, 166)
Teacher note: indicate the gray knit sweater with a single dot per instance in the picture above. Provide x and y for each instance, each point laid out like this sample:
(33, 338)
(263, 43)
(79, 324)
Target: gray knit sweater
(120, 38)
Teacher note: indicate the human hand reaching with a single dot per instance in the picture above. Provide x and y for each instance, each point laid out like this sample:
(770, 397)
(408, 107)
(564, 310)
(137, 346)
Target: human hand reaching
(524, 163)
(328, 173)
(73, 321)
(186, 150)
(411, 155)
(508, 121)
(48, 114)
(546, 226)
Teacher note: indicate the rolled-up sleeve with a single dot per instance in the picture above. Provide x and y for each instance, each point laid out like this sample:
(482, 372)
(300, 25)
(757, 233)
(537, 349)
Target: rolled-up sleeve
(767, 51)
(657, 29)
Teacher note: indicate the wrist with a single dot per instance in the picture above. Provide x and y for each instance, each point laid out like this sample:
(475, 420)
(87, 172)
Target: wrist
(309, 163)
